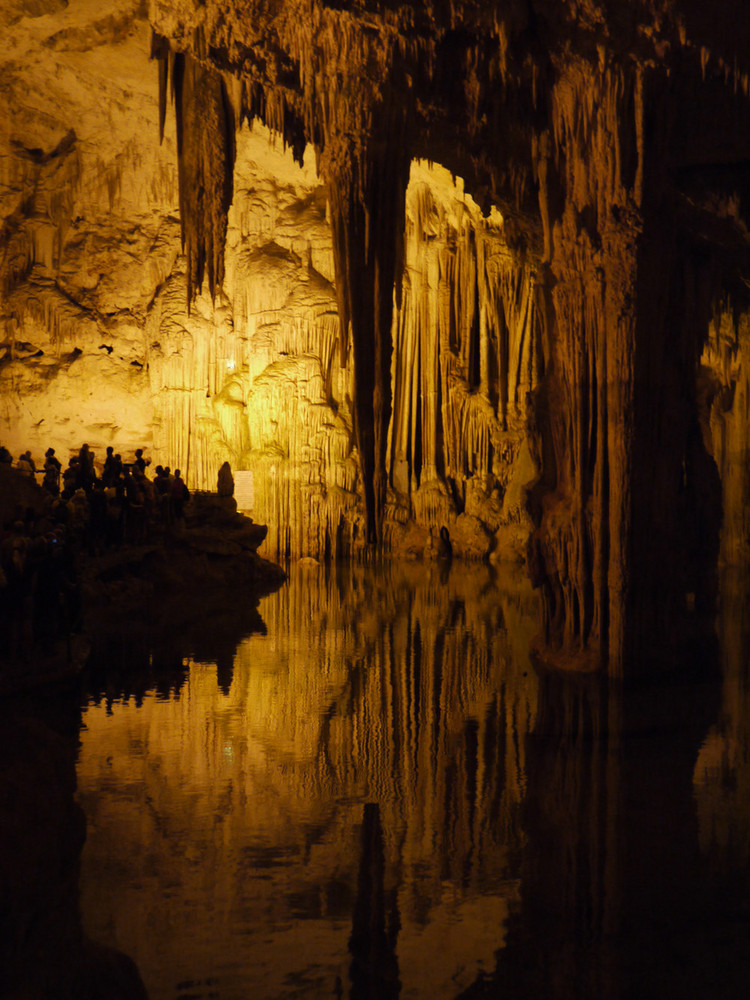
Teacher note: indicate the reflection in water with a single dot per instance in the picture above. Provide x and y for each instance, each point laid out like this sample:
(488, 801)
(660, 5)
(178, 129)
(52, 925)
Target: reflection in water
(230, 848)
(722, 771)
(614, 896)
(44, 952)
(383, 799)
(374, 968)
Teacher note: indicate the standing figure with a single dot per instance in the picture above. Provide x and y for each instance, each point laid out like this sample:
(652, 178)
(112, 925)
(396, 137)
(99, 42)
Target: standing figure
(225, 485)
(180, 494)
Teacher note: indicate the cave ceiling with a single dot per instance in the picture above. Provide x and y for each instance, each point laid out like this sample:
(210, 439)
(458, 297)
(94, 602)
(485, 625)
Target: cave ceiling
(476, 80)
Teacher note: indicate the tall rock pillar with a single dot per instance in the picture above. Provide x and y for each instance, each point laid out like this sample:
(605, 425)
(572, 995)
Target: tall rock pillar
(367, 176)
(616, 410)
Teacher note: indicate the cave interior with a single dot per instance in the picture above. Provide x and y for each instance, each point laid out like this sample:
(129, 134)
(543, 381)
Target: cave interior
(456, 263)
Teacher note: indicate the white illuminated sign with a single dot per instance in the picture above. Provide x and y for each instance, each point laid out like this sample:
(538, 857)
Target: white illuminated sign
(244, 493)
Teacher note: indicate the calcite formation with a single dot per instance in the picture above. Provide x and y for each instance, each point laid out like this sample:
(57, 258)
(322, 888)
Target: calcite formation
(473, 265)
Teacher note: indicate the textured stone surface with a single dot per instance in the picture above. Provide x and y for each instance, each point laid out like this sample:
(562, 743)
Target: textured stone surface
(89, 201)
(391, 344)
(97, 298)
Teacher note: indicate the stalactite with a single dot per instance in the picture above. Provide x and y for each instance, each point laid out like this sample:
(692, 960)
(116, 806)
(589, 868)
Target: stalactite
(366, 198)
(351, 99)
(613, 507)
(63, 320)
(468, 324)
(205, 151)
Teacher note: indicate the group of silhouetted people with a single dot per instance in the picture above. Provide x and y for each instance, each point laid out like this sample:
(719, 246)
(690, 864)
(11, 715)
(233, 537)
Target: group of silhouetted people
(119, 505)
(86, 510)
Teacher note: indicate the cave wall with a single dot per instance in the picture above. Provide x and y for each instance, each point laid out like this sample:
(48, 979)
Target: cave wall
(102, 341)
(726, 425)
(90, 228)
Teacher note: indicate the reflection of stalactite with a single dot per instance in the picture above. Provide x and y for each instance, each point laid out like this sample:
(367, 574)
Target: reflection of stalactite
(570, 888)
(374, 968)
(432, 732)
(332, 708)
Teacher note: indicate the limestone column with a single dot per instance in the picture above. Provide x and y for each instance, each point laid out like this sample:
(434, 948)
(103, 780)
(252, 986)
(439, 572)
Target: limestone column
(617, 408)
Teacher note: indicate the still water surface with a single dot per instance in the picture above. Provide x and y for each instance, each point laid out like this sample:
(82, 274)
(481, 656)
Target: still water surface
(377, 795)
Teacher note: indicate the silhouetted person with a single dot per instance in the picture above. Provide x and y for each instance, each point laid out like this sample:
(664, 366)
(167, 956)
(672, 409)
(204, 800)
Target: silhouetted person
(147, 492)
(108, 472)
(52, 469)
(70, 476)
(85, 468)
(26, 463)
(225, 484)
(179, 495)
(133, 507)
(161, 494)
(445, 549)
(140, 462)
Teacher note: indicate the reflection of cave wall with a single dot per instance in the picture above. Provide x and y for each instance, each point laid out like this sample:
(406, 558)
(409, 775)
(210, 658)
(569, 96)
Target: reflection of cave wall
(615, 899)
(43, 949)
(250, 801)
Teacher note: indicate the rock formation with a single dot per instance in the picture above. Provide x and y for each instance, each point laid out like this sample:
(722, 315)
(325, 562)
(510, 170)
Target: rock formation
(462, 264)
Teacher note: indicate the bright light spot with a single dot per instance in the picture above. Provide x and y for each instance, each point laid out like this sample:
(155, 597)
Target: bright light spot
(230, 365)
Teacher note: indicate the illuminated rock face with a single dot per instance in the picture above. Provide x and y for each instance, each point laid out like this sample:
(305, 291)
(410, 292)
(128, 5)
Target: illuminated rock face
(90, 229)
(383, 355)
(100, 345)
